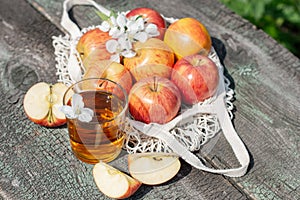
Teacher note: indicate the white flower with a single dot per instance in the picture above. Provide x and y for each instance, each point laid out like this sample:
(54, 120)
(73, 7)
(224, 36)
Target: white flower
(120, 47)
(140, 36)
(105, 26)
(77, 110)
(139, 23)
(124, 32)
(152, 30)
(121, 20)
(116, 32)
(135, 30)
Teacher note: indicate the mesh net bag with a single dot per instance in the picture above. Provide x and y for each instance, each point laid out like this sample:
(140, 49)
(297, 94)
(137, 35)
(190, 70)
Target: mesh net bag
(193, 127)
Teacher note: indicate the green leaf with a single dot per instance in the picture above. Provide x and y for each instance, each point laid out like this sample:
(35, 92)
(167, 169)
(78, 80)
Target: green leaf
(102, 15)
(105, 17)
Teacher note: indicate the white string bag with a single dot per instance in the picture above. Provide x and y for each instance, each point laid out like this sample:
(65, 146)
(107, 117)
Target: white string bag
(186, 133)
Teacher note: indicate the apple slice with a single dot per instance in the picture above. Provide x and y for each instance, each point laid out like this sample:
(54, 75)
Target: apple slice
(114, 183)
(153, 168)
(41, 104)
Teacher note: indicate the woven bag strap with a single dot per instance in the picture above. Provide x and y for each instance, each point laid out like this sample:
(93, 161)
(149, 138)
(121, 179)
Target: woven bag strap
(68, 24)
(73, 67)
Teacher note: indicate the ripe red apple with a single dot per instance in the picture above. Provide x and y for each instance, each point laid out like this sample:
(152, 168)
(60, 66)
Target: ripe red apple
(153, 168)
(114, 183)
(41, 104)
(197, 77)
(188, 36)
(154, 58)
(92, 44)
(152, 16)
(114, 71)
(154, 99)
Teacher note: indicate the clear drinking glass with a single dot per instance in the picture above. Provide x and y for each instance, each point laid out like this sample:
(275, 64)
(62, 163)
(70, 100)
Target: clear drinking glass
(96, 129)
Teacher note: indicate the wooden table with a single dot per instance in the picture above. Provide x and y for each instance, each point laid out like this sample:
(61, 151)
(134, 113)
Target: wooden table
(37, 163)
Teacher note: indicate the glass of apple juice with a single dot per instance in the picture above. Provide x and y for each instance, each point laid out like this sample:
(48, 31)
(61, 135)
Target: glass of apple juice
(96, 110)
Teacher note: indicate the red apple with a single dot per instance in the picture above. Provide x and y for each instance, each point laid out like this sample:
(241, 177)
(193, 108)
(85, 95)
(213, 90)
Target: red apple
(153, 168)
(188, 36)
(114, 183)
(152, 16)
(197, 77)
(154, 99)
(154, 58)
(92, 44)
(41, 104)
(114, 71)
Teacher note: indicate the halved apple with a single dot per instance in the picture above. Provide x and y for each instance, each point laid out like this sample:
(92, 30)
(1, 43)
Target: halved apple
(114, 183)
(153, 168)
(41, 104)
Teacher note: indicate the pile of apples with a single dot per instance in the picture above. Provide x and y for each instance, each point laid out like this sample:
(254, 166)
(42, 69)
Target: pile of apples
(169, 70)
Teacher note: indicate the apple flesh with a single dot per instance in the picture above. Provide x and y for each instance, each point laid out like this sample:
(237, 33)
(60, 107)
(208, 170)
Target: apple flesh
(152, 16)
(197, 78)
(153, 168)
(188, 36)
(153, 58)
(114, 183)
(92, 44)
(41, 104)
(154, 99)
(113, 71)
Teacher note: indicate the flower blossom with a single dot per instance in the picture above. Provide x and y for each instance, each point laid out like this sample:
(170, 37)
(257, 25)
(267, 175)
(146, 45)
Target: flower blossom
(77, 110)
(124, 32)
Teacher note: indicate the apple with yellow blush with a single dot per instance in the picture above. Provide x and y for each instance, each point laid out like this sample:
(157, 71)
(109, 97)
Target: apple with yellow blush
(153, 58)
(97, 68)
(154, 99)
(93, 44)
(197, 78)
(188, 36)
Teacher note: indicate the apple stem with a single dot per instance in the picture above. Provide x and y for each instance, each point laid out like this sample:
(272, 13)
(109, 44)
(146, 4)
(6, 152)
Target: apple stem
(157, 158)
(155, 84)
(198, 62)
(101, 84)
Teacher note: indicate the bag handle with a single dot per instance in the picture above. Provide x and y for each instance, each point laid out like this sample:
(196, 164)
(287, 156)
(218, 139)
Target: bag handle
(74, 32)
(68, 24)
(217, 107)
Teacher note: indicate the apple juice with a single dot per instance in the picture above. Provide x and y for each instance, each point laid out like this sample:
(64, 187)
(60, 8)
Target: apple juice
(102, 138)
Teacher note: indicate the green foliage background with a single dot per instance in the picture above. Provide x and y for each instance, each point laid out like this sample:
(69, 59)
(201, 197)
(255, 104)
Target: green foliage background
(279, 18)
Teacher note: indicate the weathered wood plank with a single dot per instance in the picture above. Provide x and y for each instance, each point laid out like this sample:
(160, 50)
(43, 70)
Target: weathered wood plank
(36, 162)
(266, 80)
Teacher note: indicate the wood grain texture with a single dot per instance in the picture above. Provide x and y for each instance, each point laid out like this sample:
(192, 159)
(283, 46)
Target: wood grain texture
(36, 163)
